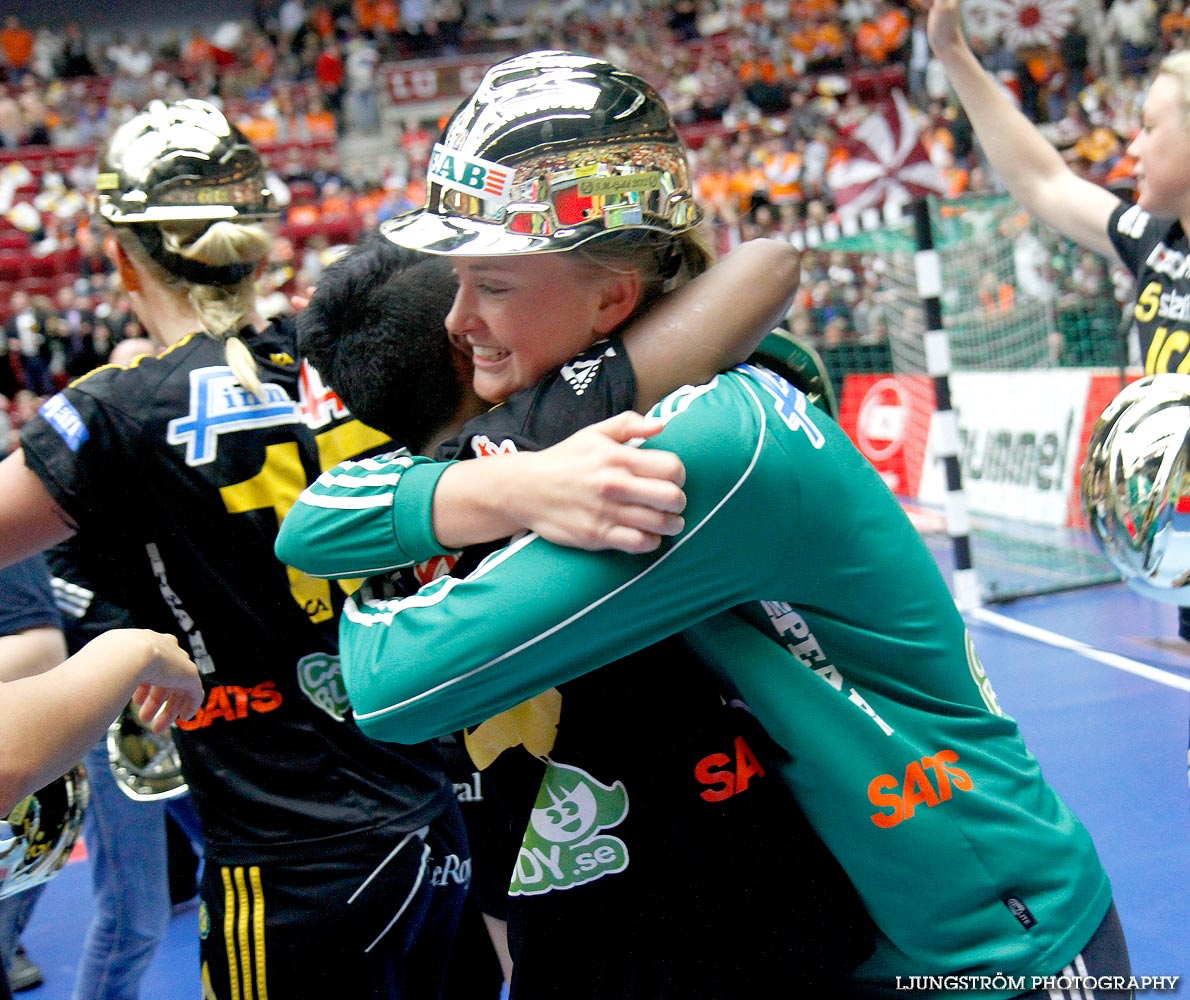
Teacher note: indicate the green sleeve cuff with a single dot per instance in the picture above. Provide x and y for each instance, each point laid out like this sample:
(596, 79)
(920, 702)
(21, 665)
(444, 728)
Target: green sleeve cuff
(413, 511)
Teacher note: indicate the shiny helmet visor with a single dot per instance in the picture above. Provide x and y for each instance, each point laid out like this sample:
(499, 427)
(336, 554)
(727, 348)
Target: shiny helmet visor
(552, 150)
(1135, 487)
(180, 162)
(37, 836)
(146, 765)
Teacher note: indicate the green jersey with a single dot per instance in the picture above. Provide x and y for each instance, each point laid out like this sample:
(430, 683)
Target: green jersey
(800, 579)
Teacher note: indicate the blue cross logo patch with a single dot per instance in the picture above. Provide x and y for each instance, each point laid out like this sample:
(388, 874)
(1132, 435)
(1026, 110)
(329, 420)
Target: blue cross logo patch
(220, 405)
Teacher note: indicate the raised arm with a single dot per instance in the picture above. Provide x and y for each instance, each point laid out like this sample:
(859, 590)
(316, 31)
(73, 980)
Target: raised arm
(1030, 167)
(714, 321)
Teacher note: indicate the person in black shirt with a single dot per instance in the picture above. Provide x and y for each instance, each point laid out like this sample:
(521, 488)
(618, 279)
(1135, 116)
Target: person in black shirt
(335, 865)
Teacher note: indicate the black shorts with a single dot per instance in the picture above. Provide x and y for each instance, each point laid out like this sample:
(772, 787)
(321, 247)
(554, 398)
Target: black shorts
(377, 926)
(1103, 960)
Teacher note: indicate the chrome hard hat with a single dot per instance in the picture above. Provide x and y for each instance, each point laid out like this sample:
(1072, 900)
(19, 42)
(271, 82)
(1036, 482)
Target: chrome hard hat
(36, 838)
(146, 765)
(1135, 487)
(182, 161)
(553, 149)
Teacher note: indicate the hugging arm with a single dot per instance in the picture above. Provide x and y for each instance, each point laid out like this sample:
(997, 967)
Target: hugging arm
(536, 614)
(382, 514)
(714, 321)
(585, 492)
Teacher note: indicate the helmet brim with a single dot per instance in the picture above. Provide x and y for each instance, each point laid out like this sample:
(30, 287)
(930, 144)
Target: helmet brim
(458, 237)
(179, 213)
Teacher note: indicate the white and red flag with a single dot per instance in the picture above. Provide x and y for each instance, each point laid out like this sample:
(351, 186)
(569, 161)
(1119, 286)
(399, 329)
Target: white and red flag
(886, 161)
(1020, 23)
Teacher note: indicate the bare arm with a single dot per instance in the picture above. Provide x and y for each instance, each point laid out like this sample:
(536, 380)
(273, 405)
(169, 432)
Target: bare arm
(81, 697)
(713, 322)
(30, 520)
(588, 492)
(1031, 168)
(33, 651)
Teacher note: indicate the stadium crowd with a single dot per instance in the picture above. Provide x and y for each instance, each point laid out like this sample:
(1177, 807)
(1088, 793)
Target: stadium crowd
(768, 91)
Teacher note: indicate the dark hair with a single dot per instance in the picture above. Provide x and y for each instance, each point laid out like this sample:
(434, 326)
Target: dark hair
(375, 330)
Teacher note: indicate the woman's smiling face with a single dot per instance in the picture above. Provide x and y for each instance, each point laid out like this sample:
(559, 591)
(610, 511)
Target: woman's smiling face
(521, 317)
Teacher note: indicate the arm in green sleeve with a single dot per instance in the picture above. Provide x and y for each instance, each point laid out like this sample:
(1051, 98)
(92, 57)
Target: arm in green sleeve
(535, 615)
(363, 518)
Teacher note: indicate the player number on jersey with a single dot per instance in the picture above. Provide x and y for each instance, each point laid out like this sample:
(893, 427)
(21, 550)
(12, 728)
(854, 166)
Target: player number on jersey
(280, 482)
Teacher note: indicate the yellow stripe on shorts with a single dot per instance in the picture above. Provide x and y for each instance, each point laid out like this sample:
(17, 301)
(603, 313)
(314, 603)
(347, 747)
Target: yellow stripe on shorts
(243, 933)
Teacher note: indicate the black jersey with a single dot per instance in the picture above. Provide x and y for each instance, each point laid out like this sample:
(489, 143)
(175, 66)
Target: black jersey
(705, 879)
(179, 479)
(1157, 253)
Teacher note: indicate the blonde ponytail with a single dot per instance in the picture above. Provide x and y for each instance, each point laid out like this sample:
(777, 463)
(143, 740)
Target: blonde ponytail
(222, 309)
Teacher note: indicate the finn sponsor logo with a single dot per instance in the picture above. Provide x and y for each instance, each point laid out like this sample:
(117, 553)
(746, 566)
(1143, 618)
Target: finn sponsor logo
(792, 404)
(61, 415)
(220, 405)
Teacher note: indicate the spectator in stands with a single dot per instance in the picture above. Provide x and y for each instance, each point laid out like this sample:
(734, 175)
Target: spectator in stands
(362, 110)
(330, 73)
(1133, 26)
(28, 342)
(16, 49)
(9, 383)
(47, 47)
(35, 117)
(73, 324)
(74, 59)
(319, 121)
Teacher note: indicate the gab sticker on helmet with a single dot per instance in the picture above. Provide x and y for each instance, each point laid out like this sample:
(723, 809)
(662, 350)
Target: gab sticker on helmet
(469, 174)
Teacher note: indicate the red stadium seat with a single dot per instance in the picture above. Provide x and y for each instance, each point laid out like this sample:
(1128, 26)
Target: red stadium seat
(14, 239)
(43, 267)
(13, 264)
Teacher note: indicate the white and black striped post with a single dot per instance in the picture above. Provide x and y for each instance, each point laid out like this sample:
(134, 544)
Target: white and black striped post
(928, 268)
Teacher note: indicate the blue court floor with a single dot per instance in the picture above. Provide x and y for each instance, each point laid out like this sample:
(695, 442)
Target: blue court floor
(1100, 684)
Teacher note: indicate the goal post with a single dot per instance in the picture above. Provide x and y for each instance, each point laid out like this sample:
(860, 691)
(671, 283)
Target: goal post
(1034, 349)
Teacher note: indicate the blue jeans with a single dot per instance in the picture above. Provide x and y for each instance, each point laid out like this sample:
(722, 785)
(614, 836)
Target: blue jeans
(15, 912)
(126, 846)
